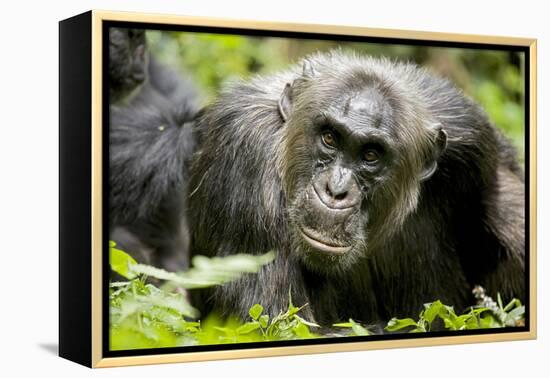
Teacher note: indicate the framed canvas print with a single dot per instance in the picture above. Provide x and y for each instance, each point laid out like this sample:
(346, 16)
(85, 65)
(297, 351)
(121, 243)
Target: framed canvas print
(234, 189)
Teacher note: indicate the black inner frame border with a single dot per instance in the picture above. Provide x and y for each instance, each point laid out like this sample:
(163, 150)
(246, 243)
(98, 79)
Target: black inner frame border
(297, 35)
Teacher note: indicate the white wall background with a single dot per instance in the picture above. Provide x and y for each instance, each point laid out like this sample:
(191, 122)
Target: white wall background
(29, 189)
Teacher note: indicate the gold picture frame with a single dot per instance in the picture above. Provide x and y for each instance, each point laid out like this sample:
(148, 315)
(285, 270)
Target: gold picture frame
(82, 270)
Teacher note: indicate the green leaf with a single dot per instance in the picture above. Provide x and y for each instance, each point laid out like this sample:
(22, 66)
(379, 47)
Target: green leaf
(452, 321)
(119, 284)
(396, 324)
(226, 330)
(432, 310)
(499, 301)
(449, 324)
(121, 262)
(479, 310)
(358, 329)
(343, 325)
(471, 323)
(233, 263)
(255, 311)
(208, 272)
(306, 322)
(292, 310)
(513, 316)
(302, 331)
(248, 327)
(173, 301)
(488, 321)
(513, 303)
(264, 321)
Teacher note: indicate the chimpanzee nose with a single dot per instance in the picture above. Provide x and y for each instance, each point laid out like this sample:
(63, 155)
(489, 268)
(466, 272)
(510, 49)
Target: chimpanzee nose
(337, 188)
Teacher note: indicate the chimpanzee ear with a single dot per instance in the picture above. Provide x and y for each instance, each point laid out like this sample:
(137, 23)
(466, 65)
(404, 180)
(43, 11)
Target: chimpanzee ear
(307, 69)
(438, 148)
(285, 102)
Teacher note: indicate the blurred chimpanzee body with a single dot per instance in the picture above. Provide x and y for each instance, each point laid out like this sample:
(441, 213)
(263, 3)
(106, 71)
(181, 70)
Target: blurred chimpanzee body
(379, 186)
(149, 159)
(151, 141)
(127, 62)
(135, 76)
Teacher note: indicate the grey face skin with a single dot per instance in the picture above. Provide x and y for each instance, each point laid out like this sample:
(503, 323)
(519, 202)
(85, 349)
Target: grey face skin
(349, 151)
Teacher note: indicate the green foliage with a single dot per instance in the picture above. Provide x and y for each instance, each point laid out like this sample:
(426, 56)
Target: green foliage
(215, 58)
(476, 318)
(501, 107)
(510, 315)
(286, 325)
(206, 272)
(145, 316)
(120, 261)
(355, 328)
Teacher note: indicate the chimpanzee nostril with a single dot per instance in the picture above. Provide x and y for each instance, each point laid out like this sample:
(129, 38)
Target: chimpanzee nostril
(337, 195)
(327, 190)
(341, 196)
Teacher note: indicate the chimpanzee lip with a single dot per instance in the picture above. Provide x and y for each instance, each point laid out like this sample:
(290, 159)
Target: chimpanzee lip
(319, 244)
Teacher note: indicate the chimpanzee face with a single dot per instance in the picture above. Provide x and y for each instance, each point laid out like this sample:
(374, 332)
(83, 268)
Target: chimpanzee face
(351, 168)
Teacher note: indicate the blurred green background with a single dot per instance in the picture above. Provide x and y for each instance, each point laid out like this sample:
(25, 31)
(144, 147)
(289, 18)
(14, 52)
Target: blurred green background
(494, 78)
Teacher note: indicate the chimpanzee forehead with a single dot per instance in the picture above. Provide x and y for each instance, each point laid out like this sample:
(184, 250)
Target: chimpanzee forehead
(367, 103)
(362, 109)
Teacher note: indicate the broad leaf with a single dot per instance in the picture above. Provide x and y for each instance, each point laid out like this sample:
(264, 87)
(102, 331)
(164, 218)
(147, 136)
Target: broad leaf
(358, 329)
(264, 321)
(432, 310)
(248, 327)
(255, 311)
(121, 262)
(396, 324)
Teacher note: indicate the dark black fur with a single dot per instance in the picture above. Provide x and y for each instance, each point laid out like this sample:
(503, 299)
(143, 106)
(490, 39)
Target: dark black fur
(441, 210)
(151, 141)
(149, 159)
(135, 76)
(127, 62)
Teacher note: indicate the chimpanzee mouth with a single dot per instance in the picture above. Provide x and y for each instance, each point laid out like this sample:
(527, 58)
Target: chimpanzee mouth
(322, 245)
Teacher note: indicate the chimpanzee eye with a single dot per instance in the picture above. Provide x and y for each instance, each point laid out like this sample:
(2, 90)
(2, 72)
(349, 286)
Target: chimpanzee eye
(373, 152)
(328, 139)
(371, 156)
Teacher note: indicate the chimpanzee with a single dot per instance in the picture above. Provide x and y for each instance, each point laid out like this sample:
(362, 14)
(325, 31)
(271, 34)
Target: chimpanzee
(379, 185)
(151, 142)
(136, 76)
(127, 62)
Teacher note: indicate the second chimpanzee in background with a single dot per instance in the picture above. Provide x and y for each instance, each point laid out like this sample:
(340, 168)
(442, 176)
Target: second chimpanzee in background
(151, 142)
